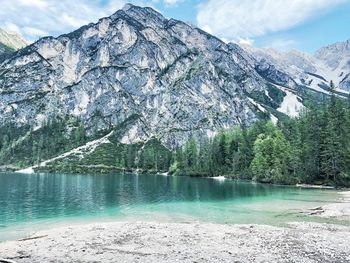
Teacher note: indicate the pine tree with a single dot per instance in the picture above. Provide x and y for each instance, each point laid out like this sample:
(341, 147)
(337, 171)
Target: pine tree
(311, 124)
(333, 152)
(245, 152)
(291, 129)
(190, 153)
(204, 156)
(271, 157)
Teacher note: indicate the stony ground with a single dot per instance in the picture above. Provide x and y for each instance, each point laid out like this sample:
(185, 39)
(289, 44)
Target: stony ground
(160, 242)
(195, 242)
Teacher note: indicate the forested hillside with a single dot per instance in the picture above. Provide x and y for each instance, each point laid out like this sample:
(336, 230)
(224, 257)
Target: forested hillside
(314, 148)
(25, 146)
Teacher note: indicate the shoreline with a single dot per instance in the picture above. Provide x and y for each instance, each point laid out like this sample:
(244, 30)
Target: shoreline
(339, 210)
(191, 242)
(314, 186)
(181, 242)
(32, 170)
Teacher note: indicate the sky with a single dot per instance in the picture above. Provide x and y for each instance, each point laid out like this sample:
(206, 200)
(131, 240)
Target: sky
(281, 24)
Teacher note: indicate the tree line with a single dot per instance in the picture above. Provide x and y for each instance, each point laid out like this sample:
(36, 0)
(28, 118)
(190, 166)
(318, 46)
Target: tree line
(26, 146)
(313, 148)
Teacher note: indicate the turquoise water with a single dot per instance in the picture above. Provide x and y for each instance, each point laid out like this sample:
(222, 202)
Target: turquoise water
(32, 202)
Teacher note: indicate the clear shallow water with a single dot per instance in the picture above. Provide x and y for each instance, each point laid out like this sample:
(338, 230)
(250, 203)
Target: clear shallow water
(32, 202)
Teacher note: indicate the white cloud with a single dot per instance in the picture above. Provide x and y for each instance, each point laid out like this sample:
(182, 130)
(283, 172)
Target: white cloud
(172, 2)
(207, 29)
(10, 27)
(72, 21)
(282, 44)
(38, 18)
(35, 32)
(252, 18)
(34, 3)
(169, 3)
(246, 41)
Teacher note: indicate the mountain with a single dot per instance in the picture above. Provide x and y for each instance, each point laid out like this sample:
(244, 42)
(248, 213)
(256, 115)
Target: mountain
(337, 59)
(165, 78)
(10, 42)
(136, 83)
(330, 63)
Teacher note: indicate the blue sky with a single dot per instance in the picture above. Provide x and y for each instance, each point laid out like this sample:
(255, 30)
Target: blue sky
(281, 24)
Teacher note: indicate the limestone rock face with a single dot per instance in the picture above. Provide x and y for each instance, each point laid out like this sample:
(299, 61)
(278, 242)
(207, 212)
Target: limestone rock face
(165, 78)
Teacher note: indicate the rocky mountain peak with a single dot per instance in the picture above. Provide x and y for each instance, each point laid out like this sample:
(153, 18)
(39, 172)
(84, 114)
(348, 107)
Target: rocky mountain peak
(140, 74)
(12, 40)
(127, 6)
(9, 43)
(338, 47)
(146, 16)
(315, 72)
(334, 55)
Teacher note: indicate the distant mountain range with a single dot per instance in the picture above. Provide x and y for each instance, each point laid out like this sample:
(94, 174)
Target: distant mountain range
(315, 72)
(144, 76)
(9, 43)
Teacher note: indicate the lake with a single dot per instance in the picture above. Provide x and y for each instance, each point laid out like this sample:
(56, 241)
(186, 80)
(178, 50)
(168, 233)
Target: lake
(31, 202)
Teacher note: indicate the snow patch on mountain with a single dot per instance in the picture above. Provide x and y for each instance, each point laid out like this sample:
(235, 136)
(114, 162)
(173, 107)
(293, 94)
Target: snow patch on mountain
(291, 105)
(259, 106)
